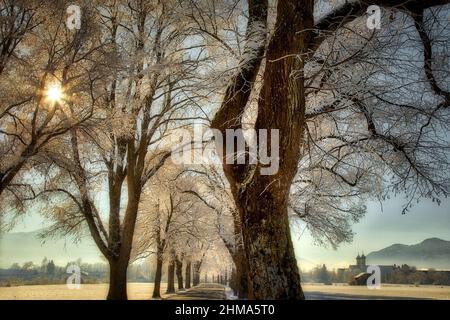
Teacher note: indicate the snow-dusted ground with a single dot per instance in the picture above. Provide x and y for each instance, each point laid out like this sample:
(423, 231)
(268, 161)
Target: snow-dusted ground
(143, 291)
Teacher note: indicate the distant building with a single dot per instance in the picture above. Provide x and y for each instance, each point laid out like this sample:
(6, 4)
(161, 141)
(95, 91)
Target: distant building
(356, 274)
(360, 265)
(361, 268)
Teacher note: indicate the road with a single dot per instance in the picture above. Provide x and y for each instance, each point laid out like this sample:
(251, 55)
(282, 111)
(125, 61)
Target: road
(214, 291)
(204, 291)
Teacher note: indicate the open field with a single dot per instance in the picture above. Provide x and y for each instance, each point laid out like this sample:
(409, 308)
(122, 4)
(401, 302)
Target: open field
(136, 291)
(143, 291)
(342, 291)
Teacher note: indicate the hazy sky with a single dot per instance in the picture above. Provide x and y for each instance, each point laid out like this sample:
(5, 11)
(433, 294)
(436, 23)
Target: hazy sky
(379, 229)
(375, 231)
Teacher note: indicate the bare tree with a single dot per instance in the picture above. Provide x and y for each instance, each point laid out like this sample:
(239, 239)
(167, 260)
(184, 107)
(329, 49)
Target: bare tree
(170, 224)
(262, 200)
(210, 187)
(361, 103)
(147, 96)
(35, 55)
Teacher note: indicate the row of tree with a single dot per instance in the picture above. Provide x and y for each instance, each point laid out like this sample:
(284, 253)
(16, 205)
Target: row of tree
(399, 275)
(419, 277)
(48, 272)
(358, 111)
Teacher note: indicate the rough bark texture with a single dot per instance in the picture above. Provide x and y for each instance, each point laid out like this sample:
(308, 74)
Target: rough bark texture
(273, 268)
(240, 274)
(117, 280)
(188, 275)
(171, 276)
(160, 248)
(240, 259)
(196, 273)
(179, 272)
(157, 281)
(123, 252)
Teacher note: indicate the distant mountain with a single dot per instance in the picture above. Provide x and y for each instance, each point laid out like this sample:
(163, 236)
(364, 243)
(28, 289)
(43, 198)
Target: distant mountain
(430, 253)
(21, 247)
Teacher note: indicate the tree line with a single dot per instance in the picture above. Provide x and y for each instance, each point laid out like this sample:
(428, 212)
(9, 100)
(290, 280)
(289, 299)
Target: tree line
(403, 274)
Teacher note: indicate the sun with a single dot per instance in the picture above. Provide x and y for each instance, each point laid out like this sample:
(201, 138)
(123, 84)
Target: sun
(55, 93)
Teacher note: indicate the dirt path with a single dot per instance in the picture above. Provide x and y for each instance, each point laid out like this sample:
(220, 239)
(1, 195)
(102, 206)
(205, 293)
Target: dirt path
(204, 291)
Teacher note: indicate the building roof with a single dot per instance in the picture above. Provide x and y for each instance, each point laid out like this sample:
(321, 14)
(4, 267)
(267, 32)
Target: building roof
(362, 274)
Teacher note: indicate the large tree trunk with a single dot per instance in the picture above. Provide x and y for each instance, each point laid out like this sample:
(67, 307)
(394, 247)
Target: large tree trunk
(262, 199)
(239, 279)
(117, 279)
(272, 266)
(188, 275)
(158, 276)
(271, 260)
(234, 282)
(243, 281)
(122, 248)
(179, 272)
(196, 273)
(240, 260)
(171, 276)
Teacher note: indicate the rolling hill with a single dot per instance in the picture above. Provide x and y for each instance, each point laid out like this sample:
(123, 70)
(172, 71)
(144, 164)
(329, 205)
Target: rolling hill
(430, 253)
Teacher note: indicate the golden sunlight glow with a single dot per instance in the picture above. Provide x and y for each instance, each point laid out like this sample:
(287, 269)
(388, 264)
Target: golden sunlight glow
(55, 93)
